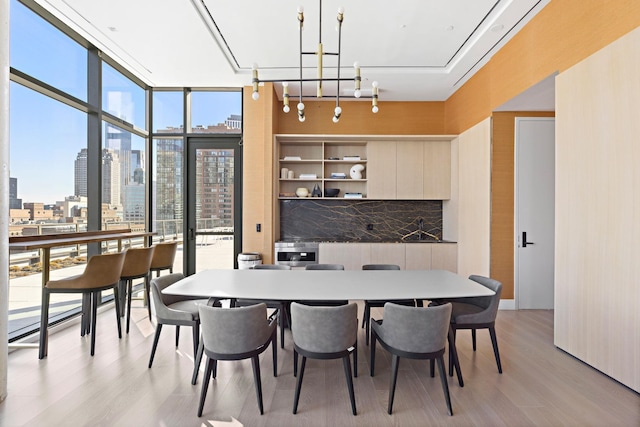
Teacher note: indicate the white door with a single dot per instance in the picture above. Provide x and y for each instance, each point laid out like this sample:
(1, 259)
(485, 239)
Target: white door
(534, 211)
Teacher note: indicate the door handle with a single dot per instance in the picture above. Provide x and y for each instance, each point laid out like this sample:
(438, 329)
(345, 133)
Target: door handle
(524, 240)
(192, 234)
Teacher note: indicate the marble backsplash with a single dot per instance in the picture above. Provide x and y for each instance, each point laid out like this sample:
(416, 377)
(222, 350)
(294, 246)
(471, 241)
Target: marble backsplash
(360, 220)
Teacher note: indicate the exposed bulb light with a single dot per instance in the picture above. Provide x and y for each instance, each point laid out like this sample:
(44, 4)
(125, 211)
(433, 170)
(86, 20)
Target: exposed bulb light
(336, 114)
(374, 97)
(255, 81)
(320, 80)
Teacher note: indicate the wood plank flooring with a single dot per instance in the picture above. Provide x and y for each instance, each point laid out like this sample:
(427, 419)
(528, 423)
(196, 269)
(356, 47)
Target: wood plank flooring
(540, 386)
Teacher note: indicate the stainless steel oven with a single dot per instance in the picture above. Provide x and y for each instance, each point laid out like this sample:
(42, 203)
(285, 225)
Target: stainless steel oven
(296, 254)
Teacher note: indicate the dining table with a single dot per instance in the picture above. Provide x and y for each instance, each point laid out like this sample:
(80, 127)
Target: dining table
(294, 285)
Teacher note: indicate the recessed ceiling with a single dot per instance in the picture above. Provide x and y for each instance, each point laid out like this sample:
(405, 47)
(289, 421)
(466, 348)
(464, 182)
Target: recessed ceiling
(418, 50)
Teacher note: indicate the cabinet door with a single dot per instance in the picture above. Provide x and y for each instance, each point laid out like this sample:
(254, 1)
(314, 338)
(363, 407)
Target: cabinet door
(444, 256)
(388, 253)
(418, 256)
(351, 255)
(437, 170)
(409, 158)
(381, 170)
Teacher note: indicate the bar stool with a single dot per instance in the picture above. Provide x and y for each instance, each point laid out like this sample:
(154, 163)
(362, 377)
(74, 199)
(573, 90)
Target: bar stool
(136, 266)
(102, 272)
(163, 257)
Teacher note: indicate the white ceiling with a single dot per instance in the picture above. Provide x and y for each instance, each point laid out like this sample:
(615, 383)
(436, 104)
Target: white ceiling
(418, 50)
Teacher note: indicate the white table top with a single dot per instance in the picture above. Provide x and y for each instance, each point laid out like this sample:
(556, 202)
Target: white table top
(291, 285)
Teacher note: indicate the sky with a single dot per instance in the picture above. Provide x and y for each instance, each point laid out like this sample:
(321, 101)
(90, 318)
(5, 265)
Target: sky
(46, 135)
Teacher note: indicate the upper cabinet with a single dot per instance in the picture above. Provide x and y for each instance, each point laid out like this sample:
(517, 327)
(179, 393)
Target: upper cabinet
(404, 168)
(410, 169)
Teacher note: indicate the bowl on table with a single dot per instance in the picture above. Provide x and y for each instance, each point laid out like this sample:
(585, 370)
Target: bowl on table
(331, 192)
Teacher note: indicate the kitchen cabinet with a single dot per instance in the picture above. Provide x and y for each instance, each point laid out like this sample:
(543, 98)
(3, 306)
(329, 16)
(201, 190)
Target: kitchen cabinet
(409, 169)
(409, 256)
(352, 255)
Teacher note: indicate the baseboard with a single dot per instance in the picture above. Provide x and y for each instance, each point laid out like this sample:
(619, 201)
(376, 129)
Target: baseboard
(507, 304)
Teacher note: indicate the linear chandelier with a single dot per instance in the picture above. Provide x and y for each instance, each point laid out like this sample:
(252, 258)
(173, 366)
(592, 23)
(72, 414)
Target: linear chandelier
(320, 53)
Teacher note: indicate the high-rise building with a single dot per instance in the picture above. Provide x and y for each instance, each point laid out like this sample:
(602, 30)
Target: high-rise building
(167, 200)
(110, 177)
(80, 174)
(214, 188)
(134, 202)
(14, 202)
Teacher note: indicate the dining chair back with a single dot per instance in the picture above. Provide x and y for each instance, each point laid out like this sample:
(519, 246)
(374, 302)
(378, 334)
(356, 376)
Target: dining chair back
(137, 263)
(163, 257)
(102, 272)
(368, 304)
(174, 310)
(325, 333)
(325, 303)
(236, 334)
(478, 313)
(413, 333)
(281, 306)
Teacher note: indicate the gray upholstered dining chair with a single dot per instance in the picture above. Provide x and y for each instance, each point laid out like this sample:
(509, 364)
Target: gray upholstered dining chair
(368, 304)
(413, 333)
(325, 333)
(236, 334)
(282, 306)
(477, 313)
(324, 303)
(174, 310)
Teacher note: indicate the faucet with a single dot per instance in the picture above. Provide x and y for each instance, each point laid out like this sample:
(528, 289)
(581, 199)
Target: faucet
(420, 228)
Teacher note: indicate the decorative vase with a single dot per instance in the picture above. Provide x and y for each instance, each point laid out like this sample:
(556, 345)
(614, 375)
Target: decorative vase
(356, 171)
(316, 192)
(302, 192)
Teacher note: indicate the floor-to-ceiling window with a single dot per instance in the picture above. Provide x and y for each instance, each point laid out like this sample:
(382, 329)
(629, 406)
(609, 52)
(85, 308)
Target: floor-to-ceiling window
(61, 133)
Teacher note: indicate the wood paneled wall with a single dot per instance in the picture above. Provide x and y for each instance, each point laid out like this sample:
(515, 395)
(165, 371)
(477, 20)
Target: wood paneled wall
(474, 207)
(558, 37)
(502, 196)
(597, 292)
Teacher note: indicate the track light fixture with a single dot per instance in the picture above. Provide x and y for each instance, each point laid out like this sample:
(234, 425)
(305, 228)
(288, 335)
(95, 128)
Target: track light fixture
(320, 79)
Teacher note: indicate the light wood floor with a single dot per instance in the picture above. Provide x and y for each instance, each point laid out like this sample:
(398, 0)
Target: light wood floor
(540, 386)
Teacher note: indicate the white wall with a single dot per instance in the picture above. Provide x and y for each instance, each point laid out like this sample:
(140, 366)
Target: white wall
(474, 199)
(597, 293)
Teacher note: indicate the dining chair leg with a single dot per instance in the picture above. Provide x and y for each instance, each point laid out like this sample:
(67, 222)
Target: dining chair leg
(205, 385)
(453, 356)
(432, 366)
(366, 314)
(281, 317)
(255, 364)
(473, 339)
(295, 363)
(94, 315)
(355, 359)
(117, 307)
(147, 294)
(155, 343)
(129, 292)
(274, 352)
(395, 362)
(494, 342)
(44, 325)
(296, 397)
(195, 333)
(445, 386)
(197, 361)
(366, 331)
(373, 353)
(346, 362)
(177, 335)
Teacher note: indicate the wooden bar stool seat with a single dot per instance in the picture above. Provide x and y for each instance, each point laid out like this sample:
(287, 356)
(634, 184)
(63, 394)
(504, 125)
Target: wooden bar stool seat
(163, 257)
(102, 272)
(136, 266)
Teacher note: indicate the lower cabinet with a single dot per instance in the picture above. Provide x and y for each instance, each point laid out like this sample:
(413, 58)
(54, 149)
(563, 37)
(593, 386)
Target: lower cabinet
(409, 256)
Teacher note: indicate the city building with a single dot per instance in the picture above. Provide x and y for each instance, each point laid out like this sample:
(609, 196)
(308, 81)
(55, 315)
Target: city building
(14, 201)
